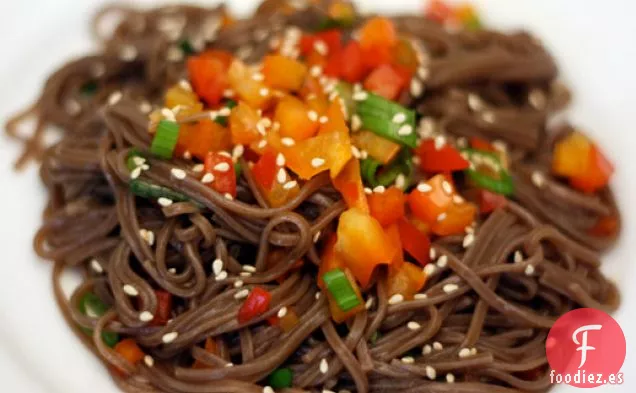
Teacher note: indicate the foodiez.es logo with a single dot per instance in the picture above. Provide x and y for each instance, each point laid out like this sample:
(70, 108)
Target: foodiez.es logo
(586, 348)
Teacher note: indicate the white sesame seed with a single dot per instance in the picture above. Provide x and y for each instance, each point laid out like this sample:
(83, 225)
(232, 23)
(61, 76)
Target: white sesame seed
(174, 54)
(221, 276)
(458, 200)
(98, 69)
(369, 303)
(245, 274)
(169, 337)
(148, 236)
(238, 284)
(225, 111)
(241, 294)
(365, 154)
(165, 202)
(323, 119)
(518, 257)
(172, 270)
(207, 178)
(149, 361)
(400, 181)
(114, 98)
(315, 71)
(355, 152)
(441, 217)
(262, 144)
(423, 73)
(145, 107)
(468, 240)
(475, 103)
(328, 391)
(448, 189)
(429, 269)
(225, 154)
(146, 316)
(529, 270)
(426, 349)
(222, 167)
(450, 378)
(416, 88)
(538, 179)
(244, 52)
(217, 266)
(213, 115)
(469, 229)
(317, 236)
(368, 191)
(73, 107)
(178, 173)
(198, 168)
(461, 142)
(230, 364)
(405, 130)
(312, 115)
(249, 268)
(432, 253)
(324, 366)
(408, 360)
(321, 47)
(379, 189)
(395, 299)
(287, 141)
(356, 123)
(281, 176)
(290, 184)
(96, 266)
(317, 295)
(450, 288)
(426, 127)
(229, 196)
(437, 346)
(268, 389)
(442, 261)
(185, 85)
(130, 290)
(431, 373)
(257, 76)
(537, 99)
(128, 53)
(424, 187)
(399, 118)
(464, 353)
(282, 312)
(237, 152)
(488, 117)
(473, 351)
(413, 325)
(228, 93)
(420, 296)
(264, 92)
(317, 162)
(439, 142)
(360, 96)
(280, 159)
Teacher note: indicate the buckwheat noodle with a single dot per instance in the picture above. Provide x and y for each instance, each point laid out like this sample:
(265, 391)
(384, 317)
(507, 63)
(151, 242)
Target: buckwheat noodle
(489, 84)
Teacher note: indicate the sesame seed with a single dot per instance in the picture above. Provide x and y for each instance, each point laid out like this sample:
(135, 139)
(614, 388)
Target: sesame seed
(431, 373)
(312, 115)
(165, 202)
(488, 117)
(221, 276)
(416, 88)
(262, 144)
(426, 349)
(148, 236)
(439, 142)
(355, 152)
(450, 378)
(98, 70)
(114, 98)
(432, 253)
(317, 295)
(317, 162)
(468, 240)
(441, 217)
(172, 270)
(130, 290)
(369, 303)
(365, 154)
(399, 118)
(174, 54)
(400, 181)
(420, 296)
(225, 111)
(368, 191)
(207, 178)
(245, 274)
(280, 159)
(448, 189)
(324, 366)
(229, 196)
(323, 119)
(228, 93)
(430, 269)
(287, 141)
(379, 189)
(405, 130)
(424, 187)
(408, 360)
(222, 167)
(264, 92)
(423, 73)
(537, 99)
(356, 123)
(290, 184)
(464, 353)
(442, 261)
(257, 76)
(321, 47)
(395, 299)
(469, 229)
(450, 288)
(529, 270)
(225, 154)
(458, 200)
(281, 176)
(73, 107)
(462, 142)
(500, 145)
(249, 268)
(518, 257)
(238, 284)
(475, 103)
(282, 312)
(149, 361)
(473, 351)
(169, 337)
(198, 168)
(96, 266)
(145, 107)
(315, 71)
(413, 325)
(328, 391)
(230, 364)
(146, 316)
(360, 96)
(237, 152)
(241, 294)
(213, 115)
(268, 389)
(244, 52)
(128, 53)
(178, 173)
(538, 179)
(426, 127)
(185, 85)
(217, 266)
(317, 236)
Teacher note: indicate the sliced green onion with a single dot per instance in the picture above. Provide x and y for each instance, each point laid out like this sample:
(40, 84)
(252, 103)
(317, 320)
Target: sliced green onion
(281, 378)
(238, 169)
(374, 174)
(341, 289)
(231, 104)
(130, 159)
(345, 91)
(165, 139)
(152, 191)
(332, 23)
(378, 116)
(89, 88)
(186, 47)
(222, 120)
(486, 171)
(91, 305)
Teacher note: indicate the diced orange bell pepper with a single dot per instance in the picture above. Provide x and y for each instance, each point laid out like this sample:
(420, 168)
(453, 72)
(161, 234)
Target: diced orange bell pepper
(342, 11)
(287, 323)
(571, 155)
(378, 32)
(329, 259)
(252, 91)
(129, 350)
(393, 233)
(415, 242)
(284, 73)
(404, 55)
(177, 95)
(210, 347)
(280, 194)
(337, 314)
(318, 103)
(458, 217)
(467, 16)
(209, 75)
(407, 280)
(243, 124)
(293, 116)
(201, 137)
(598, 174)
(349, 184)
(222, 167)
(386, 81)
(264, 170)
(387, 207)
(438, 11)
(363, 244)
(354, 68)
(379, 148)
(429, 205)
(605, 226)
(445, 159)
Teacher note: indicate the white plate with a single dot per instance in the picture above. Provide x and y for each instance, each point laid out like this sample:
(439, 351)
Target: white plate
(593, 41)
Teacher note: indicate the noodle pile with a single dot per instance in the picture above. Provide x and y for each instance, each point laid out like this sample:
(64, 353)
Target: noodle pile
(482, 319)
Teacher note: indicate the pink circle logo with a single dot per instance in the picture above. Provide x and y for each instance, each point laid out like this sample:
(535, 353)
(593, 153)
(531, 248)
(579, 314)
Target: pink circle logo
(586, 348)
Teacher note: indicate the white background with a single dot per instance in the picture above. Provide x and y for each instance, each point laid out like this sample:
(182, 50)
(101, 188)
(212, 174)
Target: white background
(594, 42)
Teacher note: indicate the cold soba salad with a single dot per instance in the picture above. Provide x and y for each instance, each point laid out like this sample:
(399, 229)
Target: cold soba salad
(315, 200)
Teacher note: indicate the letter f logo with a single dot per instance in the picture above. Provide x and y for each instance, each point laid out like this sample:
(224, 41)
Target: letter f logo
(583, 344)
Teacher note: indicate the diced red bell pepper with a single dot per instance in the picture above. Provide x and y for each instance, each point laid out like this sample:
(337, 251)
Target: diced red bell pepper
(363, 244)
(210, 347)
(481, 144)
(408, 280)
(129, 350)
(393, 233)
(331, 38)
(349, 184)
(329, 259)
(256, 304)
(378, 32)
(446, 159)
(164, 308)
(209, 75)
(333, 64)
(387, 207)
(287, 323)
(337, 314)
(386, 81)
(489, 201)
(403, 55)
(605, 226)
(284, 73)
(415, 242)
(293, 116)
(598, 173)
(438, 11)
(378, 148)
(458, 217)
(250, 90)
(222, 167)
(377, 55)
(243, 124)
(264, 171)
(353, 69)
(202, 137)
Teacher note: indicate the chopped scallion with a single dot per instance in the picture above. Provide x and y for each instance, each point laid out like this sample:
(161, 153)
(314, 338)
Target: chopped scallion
(341, 289)
(151, 191)
(186, 47)
(487, 172)
(281, 378)
(165, 139)
(377, 115)
(91, 305)
(374, 174)
(345, 91)
(89, 88)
